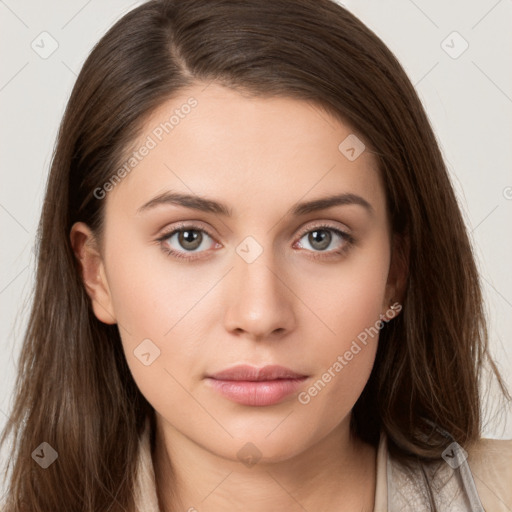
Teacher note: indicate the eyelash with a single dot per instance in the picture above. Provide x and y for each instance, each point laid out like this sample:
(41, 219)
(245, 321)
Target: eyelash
(321, 255)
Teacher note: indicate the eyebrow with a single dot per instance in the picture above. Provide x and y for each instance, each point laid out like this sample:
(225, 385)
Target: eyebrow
(211, 206)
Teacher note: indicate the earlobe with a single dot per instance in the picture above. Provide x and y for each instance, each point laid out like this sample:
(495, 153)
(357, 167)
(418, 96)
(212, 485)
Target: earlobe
(92, 270)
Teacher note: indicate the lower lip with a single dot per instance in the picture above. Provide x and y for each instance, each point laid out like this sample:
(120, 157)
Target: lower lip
(256, 393)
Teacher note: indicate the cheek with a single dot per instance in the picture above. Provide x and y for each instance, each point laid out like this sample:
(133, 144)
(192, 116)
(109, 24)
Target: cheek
(351, 296)
(150, 294)
(332, 394)
(344, 360)
(350, 304)
(159, 308)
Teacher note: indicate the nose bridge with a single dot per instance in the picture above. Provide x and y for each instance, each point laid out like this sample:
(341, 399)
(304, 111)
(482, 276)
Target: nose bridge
(260, 302)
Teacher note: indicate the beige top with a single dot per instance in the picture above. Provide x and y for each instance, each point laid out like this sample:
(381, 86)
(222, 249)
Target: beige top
(484, 478)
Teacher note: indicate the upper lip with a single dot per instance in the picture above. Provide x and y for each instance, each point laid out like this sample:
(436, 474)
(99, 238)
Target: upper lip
(253, 373)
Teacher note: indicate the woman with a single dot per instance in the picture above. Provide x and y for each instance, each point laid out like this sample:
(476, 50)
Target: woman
(255, 288)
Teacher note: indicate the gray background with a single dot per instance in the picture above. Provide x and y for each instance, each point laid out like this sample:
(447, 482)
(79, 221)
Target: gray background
(468, 97)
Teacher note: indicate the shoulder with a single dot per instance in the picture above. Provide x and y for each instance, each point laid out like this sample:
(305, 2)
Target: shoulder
(491, 451)
(484, 468)
(490, 461)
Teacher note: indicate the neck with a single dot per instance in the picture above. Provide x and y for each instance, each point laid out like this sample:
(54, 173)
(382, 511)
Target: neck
(338, 470)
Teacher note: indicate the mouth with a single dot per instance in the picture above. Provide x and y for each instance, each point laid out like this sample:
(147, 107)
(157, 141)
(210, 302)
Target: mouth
(254, 386)
(254, 374)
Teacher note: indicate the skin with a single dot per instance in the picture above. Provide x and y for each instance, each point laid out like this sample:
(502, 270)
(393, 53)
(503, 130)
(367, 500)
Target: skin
(259, 156)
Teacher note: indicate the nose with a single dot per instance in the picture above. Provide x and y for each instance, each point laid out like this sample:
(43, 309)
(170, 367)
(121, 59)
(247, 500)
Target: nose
(259, 300)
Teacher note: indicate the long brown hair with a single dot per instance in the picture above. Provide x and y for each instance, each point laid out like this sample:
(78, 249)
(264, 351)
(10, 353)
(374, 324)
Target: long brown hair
(74, 388)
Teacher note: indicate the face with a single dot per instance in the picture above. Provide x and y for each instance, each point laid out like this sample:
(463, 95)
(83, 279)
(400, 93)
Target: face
(240, 273)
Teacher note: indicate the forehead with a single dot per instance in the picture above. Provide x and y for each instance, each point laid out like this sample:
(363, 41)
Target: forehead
(252, 152)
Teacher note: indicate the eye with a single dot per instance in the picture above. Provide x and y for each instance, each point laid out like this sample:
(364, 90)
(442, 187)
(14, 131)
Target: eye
(186, 239)
(189, 241)
(321, 237)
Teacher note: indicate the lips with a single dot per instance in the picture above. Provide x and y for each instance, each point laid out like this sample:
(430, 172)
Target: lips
(248, 385)
(254, 374)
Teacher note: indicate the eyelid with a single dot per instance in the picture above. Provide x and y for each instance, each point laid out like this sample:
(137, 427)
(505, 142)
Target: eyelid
(323, 225)
(198, 225)
(184, 225)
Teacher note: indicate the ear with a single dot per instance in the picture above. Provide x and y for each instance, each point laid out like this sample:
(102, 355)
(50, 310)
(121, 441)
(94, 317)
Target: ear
(92, 269)
(398, 273)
